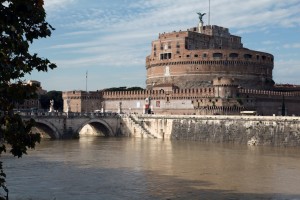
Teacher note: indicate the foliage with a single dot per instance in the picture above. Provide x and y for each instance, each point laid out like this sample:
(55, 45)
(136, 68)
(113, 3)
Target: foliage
(2, 182)
(134, 88)
(56, 96)
(21, 22)
(123, 89)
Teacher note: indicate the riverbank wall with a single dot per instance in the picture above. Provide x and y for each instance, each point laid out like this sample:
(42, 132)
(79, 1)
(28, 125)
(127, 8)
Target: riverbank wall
(251, 130)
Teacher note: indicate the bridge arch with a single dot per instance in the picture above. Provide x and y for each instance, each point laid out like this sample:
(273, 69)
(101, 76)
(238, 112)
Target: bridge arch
(98, 125)
(46, 129)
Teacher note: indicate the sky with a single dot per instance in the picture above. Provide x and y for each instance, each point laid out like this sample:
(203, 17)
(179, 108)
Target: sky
(110, 39)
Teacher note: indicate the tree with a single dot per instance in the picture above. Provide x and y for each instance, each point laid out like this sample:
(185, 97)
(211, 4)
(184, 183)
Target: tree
(123, 89)
(21, 22)
(56, 96)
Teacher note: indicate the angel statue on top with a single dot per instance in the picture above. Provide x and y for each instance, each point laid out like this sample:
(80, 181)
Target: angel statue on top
(201, 16)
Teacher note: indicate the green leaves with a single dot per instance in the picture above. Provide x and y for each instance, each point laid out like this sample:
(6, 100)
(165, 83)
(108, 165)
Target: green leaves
(18, 134)
(21, 22)
(2, 181)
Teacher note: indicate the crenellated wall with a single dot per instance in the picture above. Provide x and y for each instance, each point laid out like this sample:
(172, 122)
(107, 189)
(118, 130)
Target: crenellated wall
(271, 102)
(158, 94)
(253, 92)
(225, 98)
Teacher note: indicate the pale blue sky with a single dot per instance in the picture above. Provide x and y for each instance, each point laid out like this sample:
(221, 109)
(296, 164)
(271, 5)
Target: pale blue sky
(111, 39)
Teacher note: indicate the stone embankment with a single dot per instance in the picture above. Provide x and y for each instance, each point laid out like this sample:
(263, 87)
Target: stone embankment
(134, 127)
(251, 130)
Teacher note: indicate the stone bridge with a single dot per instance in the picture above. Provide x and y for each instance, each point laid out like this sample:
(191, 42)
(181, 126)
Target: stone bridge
(61, 126)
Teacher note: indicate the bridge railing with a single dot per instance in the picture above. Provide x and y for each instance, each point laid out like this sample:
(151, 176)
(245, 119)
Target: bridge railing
(67, 115)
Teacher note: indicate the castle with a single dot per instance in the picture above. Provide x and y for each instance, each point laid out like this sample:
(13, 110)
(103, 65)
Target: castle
(204, 71)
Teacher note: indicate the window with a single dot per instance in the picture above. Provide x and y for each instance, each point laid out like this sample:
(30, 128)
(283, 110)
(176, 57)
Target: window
(165, 56)
(247, 56)
(204, 55)
(217, 55)
(233, 55)
(196, 55)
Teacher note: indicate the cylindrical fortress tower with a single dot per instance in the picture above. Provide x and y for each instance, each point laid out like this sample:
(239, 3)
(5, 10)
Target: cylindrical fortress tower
(193, 58)
(225, 87)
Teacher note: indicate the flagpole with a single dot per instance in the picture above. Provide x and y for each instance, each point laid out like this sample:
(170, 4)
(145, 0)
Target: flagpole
(208, 12)
(86, 76)
(86, 97)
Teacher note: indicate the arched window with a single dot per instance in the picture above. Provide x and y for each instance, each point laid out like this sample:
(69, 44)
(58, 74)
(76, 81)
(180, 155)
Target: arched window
(233, 55)
(217, 55)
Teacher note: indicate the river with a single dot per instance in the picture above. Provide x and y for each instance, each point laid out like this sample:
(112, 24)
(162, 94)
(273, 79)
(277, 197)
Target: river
(94, 168)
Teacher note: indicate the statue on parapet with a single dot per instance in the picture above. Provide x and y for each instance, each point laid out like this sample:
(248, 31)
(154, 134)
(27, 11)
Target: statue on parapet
(51, 106)
(201, 16)
(68, 105)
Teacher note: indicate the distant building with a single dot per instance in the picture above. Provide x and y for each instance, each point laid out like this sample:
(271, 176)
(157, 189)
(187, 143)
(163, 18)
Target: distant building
(204, 70)
(32, 104)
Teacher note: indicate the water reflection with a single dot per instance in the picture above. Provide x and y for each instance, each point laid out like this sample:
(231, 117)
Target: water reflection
(131, 168)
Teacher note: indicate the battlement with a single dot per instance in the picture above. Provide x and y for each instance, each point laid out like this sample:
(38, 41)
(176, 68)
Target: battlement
(269, 93)
(79, 94)
(159, 94)
(214, 30)
(173, 34)
(192, 93)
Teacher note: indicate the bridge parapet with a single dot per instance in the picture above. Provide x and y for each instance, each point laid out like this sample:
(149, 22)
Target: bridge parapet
(61, 125)
(67, 115)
